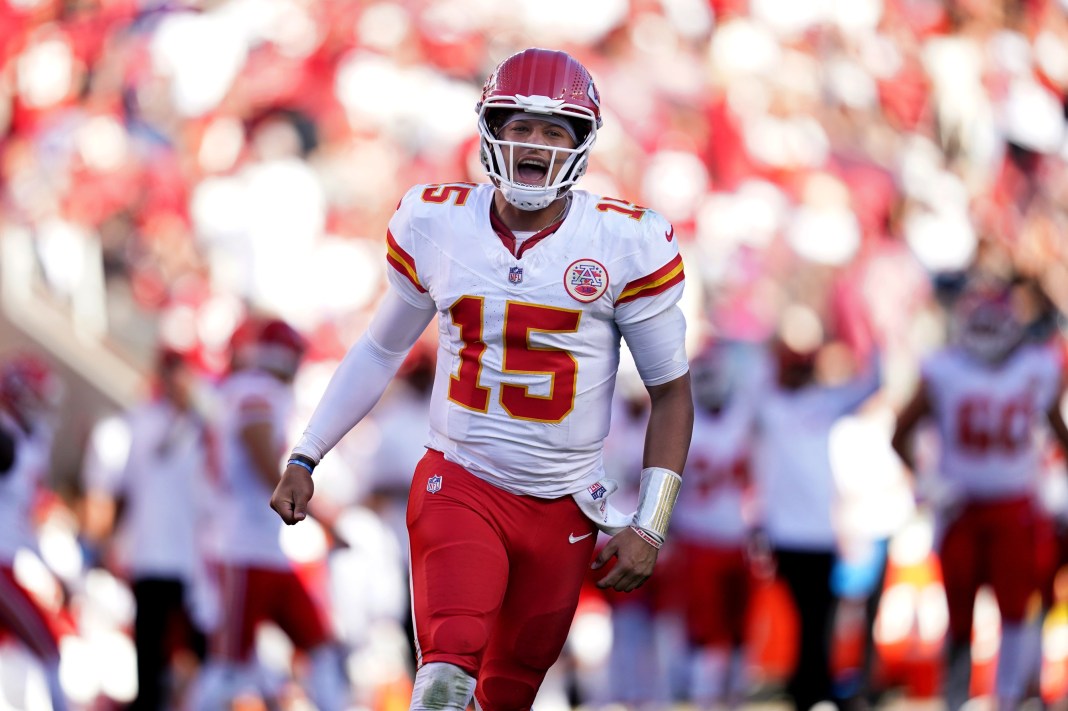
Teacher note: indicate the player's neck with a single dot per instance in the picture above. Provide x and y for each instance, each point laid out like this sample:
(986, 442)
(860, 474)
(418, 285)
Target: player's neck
(529, 220)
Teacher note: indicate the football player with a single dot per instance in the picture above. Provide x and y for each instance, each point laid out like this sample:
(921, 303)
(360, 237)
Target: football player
(533, 283)
(987, 392)
(712, 528)
(257, 581)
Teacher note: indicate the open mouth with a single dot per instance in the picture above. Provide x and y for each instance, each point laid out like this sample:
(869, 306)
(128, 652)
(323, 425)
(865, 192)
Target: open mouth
(532, 170)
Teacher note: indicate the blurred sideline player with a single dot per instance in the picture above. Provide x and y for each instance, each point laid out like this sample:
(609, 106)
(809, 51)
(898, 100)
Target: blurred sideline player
(532, 284)
(987, 393)
(29, 397)
(712, 525)
(257, 581)
(645, 667)
(150, 509)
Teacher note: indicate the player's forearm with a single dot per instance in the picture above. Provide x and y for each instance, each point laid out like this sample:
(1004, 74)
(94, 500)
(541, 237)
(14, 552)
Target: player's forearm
(364, 373)
(667, 437)
(355, 388)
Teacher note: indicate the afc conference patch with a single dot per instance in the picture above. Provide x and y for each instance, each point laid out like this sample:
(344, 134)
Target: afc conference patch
(596, 490)
(586, 280)
(515, 275)
(433, 484)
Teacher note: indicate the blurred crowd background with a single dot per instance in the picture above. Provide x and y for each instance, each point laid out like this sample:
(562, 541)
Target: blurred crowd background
(170, 168)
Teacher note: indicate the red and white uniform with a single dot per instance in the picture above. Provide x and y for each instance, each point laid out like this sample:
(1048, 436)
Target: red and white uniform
(529, 346)
(986, 417)
(710, 529)
(248, 528)
(257, 580)
(528, 350)
(717, 478)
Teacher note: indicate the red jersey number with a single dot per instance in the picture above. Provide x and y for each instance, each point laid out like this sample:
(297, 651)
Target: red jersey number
(520, 356)
(988, 427)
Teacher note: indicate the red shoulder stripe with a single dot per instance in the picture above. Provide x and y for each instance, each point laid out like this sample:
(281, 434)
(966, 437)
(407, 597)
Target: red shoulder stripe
(402, 261)
(658, 282)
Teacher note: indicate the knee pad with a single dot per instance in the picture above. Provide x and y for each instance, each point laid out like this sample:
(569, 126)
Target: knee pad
(442, 687)
(461, 634)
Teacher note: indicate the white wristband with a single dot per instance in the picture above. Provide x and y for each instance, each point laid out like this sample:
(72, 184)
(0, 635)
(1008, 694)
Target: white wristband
(656, 498)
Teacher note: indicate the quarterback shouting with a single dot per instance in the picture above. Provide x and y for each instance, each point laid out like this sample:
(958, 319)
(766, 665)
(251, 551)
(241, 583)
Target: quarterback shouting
(533, 285)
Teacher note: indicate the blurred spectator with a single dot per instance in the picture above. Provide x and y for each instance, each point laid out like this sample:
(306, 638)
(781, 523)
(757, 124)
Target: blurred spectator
(149, 510)
(29, 397)
(988, 393)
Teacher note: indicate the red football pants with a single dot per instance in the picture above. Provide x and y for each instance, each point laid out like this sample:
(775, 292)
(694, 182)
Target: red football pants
(21, 616)
(719, 587)
(1007, 544)
(495, 579)
(249, 596)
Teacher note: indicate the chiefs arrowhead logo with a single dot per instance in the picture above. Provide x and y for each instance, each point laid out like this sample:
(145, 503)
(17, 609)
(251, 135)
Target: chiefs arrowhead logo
(670, 234)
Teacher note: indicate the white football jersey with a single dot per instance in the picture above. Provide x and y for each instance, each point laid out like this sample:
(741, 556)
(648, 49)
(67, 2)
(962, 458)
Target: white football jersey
(987, 417)
(248, 528)
(18, 487)
(528, 347)
(712, 503)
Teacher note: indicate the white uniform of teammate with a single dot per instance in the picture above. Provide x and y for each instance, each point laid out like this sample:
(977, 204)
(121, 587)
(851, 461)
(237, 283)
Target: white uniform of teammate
(717, 476)
(986, 418)
(257, 580)
(988, 394)
(249, 530)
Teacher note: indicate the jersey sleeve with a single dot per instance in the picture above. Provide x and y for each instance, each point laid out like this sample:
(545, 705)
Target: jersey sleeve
(401, 253)
(653, 275)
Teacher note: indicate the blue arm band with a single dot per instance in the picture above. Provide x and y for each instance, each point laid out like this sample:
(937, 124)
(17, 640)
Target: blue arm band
(302, 463)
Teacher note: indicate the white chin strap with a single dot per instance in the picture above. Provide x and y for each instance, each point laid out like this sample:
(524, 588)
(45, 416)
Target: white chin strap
(528, 197)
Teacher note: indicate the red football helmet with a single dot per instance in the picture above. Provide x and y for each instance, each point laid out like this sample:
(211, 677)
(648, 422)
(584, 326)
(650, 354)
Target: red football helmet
(29, 388)
(278, 347)
(539, 82)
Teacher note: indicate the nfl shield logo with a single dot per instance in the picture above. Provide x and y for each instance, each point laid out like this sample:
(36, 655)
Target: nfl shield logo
(596, 490)
(515, 275)
(433, 484)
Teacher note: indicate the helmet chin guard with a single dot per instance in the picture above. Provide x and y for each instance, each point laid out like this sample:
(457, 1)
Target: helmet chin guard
(546, 83)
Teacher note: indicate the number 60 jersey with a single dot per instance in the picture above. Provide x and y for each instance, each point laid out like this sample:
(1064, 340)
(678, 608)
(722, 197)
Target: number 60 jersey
(528, 346)
(986, 417)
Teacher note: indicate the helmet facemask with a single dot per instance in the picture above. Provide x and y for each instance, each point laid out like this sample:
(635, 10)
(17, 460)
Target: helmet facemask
(991, 333)
(498, 156)
(987, 327)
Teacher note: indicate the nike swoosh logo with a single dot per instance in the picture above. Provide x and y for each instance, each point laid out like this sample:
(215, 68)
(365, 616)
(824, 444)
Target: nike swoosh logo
(670, 234)
(575, 539)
